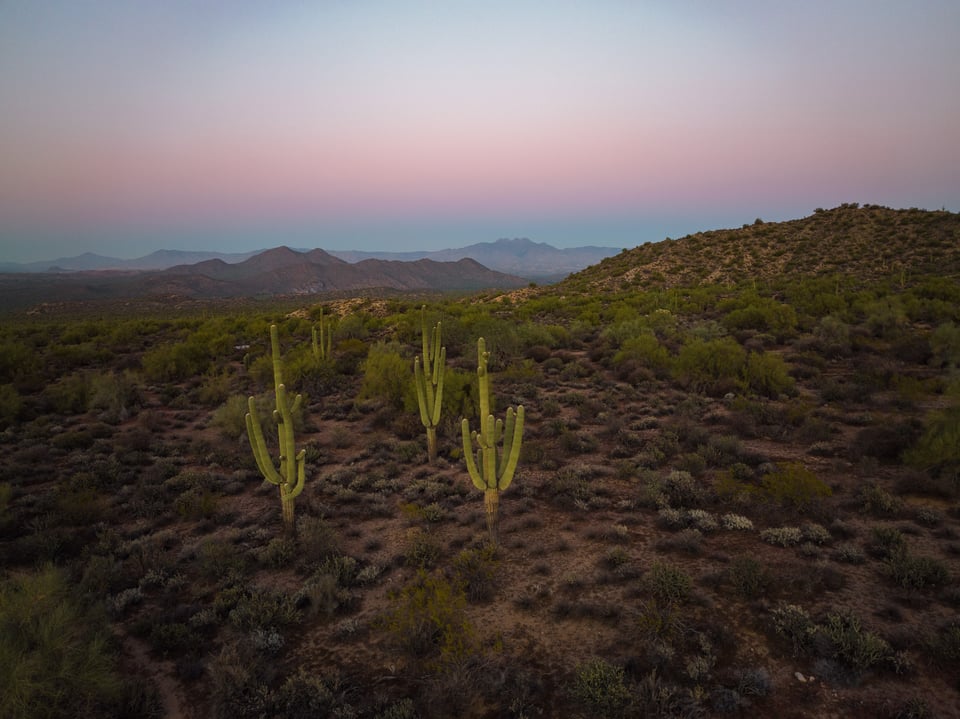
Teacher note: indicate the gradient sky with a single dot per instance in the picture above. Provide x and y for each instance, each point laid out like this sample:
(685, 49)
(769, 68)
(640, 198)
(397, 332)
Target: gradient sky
(128, 126)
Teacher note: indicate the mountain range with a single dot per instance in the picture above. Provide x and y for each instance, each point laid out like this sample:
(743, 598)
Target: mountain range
(521, 257)
(280, 271)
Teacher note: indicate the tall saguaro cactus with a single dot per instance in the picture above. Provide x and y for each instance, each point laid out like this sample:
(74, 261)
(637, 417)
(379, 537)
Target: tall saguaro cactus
(291, 474)
(498, 447)
(322, 339)
(428, 377)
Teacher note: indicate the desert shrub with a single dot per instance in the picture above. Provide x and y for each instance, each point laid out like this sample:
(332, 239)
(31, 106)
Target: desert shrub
(68, 395)
(815, 533)
(644, 349)
(304, 694)
(475, 571)
(427, 617)
(230, 417)
(795, 485)
(196, 503)
(175, 362)
(600, 687)
(668, 583)
(15, 359)
(764, 315)
(682, 490)
(833, 336)
(794, 624)
(749, 577)
(945, 345)
(55, 656)
(768, 375)
(279, 552)
(422, 550)
(262, 608)
(387, 376)
(782, 536)
(849, 553)
(945, 644)
(848, 642)
(316, 538)
(885, 317)
(916, 573)
(713, 366)
(877, 501)
(10, 405)
(238, 687)
(736, 522)
(884, 442)
(887, 541)
(116, 395)
(938, 449)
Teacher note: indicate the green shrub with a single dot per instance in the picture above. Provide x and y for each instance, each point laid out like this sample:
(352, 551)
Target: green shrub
(749, 577)
(427, 617)
(388, 376)
(475, 571)
(600, 687)
(945, 345)
(793, 623)
(877, 501)
(887, 541)
(646, 349)
(175, 362)
(713, 366)
(10, 405)
(768, 375)
(55, 656)
(668, 583)
(795, 485)
(850, 643)
(782, 536)
(262, 608)
(833, 336)
(938, 449)
(916, 573)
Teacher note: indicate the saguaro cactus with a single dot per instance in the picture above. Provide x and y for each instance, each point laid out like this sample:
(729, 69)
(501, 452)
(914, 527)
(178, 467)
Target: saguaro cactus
(428, 377)
(494, 467)
(291, 474)
(322, 339)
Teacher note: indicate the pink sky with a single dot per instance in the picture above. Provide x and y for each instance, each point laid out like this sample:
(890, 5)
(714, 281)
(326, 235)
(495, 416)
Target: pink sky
(130, 127)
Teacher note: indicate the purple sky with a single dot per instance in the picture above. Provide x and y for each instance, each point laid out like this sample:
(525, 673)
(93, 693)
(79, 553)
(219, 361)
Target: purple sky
(130, 126)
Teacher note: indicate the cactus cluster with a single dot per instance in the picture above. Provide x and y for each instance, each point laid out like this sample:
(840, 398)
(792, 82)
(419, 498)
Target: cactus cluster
(498, 447)
(292, 471)
(428, 377)
(322, 339)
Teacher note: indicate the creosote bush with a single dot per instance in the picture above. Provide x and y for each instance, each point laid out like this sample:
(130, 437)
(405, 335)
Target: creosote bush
(427, 618)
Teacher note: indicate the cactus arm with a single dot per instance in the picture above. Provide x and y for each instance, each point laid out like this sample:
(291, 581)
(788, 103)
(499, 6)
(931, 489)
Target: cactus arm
(439, 356)
(420, 382)
(259, 446)
(482, 377)
(438, 395)
(472, 468)
(511, 448)
(301, 475)
(275, 353)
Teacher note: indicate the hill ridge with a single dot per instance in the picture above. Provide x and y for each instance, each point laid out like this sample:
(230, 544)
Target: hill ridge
(868, 242)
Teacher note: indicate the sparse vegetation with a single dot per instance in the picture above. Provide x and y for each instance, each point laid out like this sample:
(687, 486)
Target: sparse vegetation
(715, 470)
